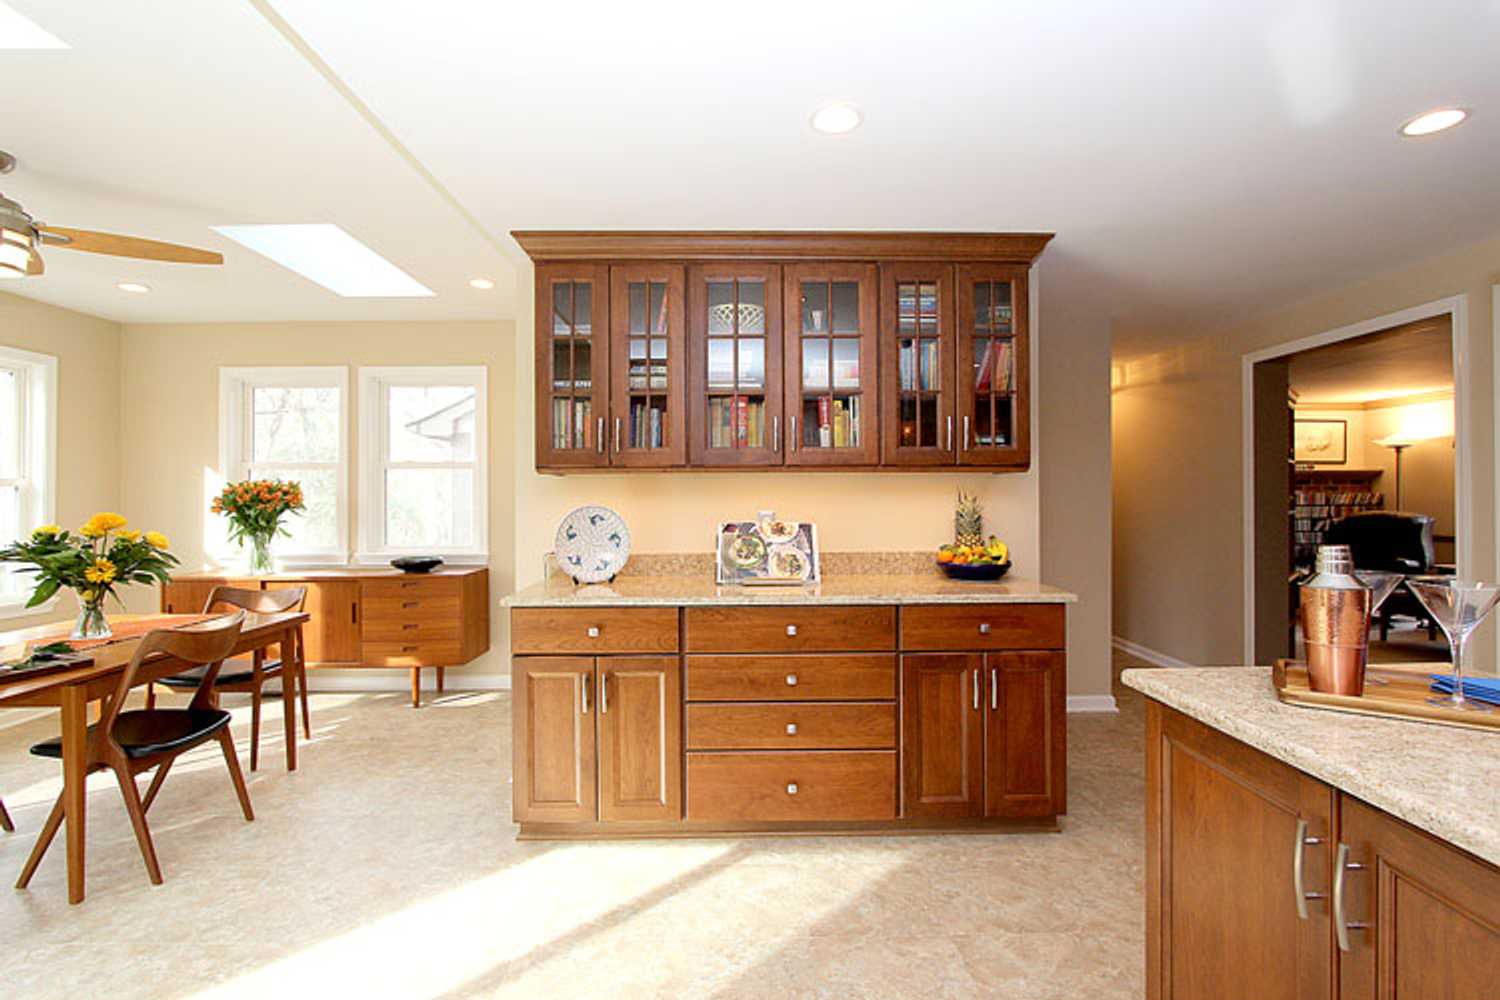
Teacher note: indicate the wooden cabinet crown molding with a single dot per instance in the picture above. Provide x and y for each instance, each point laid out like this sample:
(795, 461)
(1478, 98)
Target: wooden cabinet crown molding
(543, 246)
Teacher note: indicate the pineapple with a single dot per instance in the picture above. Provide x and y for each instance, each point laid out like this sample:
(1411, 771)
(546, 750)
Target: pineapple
(968, 520)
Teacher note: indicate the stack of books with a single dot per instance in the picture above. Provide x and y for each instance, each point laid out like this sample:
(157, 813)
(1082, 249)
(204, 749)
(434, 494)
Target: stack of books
(736, 422)
(995, 372)
(838, 422)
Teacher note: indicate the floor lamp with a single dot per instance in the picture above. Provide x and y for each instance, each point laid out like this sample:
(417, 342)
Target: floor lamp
(1397, 444)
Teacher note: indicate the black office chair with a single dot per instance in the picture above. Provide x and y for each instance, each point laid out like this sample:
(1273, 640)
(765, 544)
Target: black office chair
(1391, 542)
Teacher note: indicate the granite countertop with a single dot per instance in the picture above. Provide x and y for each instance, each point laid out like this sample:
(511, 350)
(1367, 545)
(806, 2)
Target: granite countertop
(1441, 779)
(925, 588)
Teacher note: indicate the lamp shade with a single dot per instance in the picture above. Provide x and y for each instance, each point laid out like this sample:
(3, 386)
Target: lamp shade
(15, 252)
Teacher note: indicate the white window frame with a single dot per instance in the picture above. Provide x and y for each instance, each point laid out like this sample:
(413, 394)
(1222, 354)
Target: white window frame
(372, 458)
(36, 414)
(235, 446)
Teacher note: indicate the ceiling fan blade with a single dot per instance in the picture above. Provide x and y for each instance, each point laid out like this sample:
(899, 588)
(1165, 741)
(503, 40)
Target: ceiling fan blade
(126, 246)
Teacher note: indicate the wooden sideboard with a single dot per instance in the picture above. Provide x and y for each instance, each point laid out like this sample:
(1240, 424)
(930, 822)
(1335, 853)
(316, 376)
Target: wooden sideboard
(725, 718)
(790, 351)
(373, 617)
(1262, 881)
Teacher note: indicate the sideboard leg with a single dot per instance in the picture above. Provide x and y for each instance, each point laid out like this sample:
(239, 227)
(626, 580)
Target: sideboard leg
(440, 679)
(416, 687)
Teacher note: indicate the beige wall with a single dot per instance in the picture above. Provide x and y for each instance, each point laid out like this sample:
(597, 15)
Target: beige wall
(88, 425)
(1178, 561)
(169, 429)
(1358, 436)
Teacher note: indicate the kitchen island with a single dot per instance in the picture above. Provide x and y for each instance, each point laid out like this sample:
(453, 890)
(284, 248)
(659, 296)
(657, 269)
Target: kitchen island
(1305, 854)
(665, 705)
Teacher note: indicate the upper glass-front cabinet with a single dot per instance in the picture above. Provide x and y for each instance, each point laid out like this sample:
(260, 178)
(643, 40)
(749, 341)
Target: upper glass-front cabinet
(830, 351)
(993, 366)
(646, 345)
(917, 368)
(735, 380)
(572, 311)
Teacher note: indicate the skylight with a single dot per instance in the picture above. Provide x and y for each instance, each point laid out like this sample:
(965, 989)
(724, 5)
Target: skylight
(324, 253)
(20, 32)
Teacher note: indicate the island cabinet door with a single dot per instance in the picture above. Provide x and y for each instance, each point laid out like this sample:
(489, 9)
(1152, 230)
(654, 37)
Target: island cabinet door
(554, 773)
(640, 738)
(1025, 734)
(1421, 918)
(942, 733)
(1237, 869)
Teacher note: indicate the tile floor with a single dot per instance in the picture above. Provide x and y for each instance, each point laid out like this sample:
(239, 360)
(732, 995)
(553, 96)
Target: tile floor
(386, 867)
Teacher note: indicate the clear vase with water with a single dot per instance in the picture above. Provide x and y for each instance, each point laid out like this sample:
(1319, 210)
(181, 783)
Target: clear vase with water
(91, 623)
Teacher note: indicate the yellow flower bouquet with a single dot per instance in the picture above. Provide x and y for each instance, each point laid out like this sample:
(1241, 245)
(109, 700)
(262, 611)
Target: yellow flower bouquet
(103, 555)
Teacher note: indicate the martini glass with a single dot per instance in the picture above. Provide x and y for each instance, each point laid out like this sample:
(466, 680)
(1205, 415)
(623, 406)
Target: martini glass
(1381, 585)
(1458, 608)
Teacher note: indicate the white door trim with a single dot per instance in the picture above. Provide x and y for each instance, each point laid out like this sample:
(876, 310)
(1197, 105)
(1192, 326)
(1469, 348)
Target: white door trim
(1456, 307)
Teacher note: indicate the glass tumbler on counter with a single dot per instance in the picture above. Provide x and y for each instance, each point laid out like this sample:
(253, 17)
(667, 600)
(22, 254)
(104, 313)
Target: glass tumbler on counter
(1458, 607)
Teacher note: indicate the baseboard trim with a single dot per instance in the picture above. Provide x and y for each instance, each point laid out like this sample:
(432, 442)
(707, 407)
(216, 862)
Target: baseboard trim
(380, 681)
(20, 716)
(1148, 654)
(1092, 703)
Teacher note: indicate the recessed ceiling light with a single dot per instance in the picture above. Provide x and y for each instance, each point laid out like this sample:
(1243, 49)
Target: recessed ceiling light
(19, 32)
(324, 253)
(1434, 121)
(836, 119)
(483, 284)
(133, 286)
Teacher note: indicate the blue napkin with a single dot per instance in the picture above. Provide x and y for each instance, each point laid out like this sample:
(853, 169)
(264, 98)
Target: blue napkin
(1486, 689)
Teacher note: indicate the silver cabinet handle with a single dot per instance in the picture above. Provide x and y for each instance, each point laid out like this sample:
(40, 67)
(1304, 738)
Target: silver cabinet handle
(617, 435)
(603, 693)
(583, 696)
(976, 689)
(791, 729)
(994, 689)
(776, 434)
(1341, 926)
(791, 680)
(984, 628)
(950, 432)
(593, 631)
(1303, 840)
(963, 442)
(599, 436)
(791, 630)
(791, 788)
(791, 441)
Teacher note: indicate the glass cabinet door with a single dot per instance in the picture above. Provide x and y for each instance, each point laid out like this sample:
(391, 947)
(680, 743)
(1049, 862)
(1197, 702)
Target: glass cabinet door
(646, 344)
(830, 350)
(572, 363)
(735, 382)
(993, 365)
(917, 364)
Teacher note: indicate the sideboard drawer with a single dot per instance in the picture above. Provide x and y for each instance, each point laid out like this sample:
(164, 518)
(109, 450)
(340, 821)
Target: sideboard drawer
(413, 583)
(857, 677)
(790, 629)
(593, 630)
(983, 626)
(392, 629)
(412, 654)
(810, 786)
(414, 608)
(792, 726)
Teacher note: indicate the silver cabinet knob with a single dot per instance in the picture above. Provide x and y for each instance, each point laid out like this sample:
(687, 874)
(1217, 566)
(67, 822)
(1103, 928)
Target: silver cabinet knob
(791, 630)
(791, 788)
(984, 628)
(791, 729)
(791, 680)
(593, 631)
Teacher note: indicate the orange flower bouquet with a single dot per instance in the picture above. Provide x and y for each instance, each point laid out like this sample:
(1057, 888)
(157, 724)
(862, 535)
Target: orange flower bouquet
(255, 508)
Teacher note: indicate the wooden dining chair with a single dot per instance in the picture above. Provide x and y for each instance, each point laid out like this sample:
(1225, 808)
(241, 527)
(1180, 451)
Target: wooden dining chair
(5, 823)
(238, 678)
(129, 743)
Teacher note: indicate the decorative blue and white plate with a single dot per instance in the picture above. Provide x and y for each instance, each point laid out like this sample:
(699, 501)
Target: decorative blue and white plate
(592, 544)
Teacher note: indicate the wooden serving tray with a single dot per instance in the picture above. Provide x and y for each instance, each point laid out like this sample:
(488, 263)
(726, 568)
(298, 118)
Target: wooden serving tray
(1403, 695)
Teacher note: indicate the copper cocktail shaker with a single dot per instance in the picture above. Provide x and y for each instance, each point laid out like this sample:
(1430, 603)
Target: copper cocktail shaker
(1336, 624)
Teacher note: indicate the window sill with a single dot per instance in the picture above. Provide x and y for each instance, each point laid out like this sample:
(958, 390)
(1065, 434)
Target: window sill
(18, 609)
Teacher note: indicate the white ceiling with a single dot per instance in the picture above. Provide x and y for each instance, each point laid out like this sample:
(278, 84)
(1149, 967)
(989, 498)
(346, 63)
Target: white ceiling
(1198, 161)
(1403, 361)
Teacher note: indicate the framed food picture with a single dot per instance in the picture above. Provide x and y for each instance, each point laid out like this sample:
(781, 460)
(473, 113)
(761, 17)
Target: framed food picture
(1321, 442)
(767, 551)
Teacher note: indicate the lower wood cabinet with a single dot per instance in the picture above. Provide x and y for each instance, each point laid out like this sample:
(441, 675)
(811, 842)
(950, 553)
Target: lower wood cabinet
(333, 633)
(597, 739)
(808, 787)
(1241, 875)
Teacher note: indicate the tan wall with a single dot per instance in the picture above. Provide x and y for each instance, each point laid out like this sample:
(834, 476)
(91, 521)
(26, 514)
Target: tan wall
(88, 426)
(1359, 457)
(1178, 563)
(169, 429)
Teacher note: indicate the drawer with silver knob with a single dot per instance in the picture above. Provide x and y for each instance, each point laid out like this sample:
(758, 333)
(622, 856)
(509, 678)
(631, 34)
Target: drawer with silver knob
(814, 786)
(790, 629)
(960, 627)
(791, 725)
(819, 677)
(593, 630)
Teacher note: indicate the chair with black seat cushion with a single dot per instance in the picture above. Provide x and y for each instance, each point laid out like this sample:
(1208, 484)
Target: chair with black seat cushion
(237, 677)
(1391, 542)
(129, 743)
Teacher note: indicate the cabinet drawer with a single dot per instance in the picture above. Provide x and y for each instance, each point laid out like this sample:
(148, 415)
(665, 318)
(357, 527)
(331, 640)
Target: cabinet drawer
(809, 786)
(593, 630)
(791, 678)
(448, 629)
(792, 726)
(406, 586)
(983, 626)
(790, 629)
(412, 654)
(411, 609)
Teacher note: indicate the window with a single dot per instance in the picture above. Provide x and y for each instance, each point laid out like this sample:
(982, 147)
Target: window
(28, 450)
(289, 423)
(423, 483)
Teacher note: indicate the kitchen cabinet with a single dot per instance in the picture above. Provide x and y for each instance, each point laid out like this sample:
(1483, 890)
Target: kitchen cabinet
(554, 736)
(572, 365)
(640, 738)
(831, 338)
(917, 373)
(943, 734)
(993, 356)
(1025, 753)
(647, 392)
(735, 380)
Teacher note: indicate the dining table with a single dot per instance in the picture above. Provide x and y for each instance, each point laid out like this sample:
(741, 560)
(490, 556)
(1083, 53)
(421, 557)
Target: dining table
(91, 674)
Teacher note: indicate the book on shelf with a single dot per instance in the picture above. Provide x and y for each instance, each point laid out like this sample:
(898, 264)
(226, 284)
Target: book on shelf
(995, 369)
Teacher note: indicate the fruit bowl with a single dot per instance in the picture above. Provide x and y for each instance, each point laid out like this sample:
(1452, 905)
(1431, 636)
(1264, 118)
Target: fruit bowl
(975, 571)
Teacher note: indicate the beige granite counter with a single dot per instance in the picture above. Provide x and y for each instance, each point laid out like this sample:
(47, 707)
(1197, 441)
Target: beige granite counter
(1438, 778)
(925, 588)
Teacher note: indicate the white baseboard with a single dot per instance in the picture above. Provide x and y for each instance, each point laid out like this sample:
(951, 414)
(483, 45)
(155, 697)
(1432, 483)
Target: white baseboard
(399, 680)
(1092, 703)
(21, 716)
(1148, 654)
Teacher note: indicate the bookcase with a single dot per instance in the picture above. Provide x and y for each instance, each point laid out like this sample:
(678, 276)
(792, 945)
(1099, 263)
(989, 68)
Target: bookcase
(762, 350)
(1322, 496)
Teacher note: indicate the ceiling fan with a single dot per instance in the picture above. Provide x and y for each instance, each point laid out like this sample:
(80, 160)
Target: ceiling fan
(21, 236)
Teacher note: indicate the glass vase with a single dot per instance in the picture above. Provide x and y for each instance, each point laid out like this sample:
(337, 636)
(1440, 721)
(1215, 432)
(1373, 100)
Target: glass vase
(91, 623)
(260, 554)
